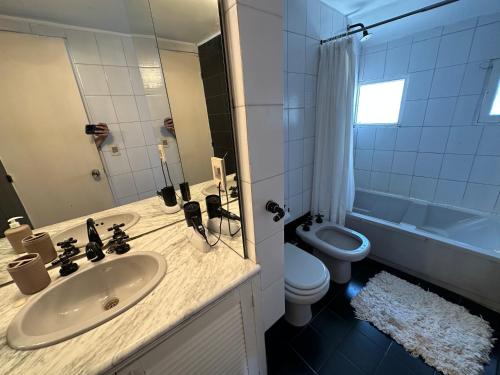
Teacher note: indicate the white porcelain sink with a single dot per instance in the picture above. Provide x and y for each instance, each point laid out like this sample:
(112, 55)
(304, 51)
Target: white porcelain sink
(79, 232)
(87, 298)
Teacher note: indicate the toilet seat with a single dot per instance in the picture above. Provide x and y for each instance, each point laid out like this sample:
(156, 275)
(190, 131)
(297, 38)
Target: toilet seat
(308, 292)
(304, 273)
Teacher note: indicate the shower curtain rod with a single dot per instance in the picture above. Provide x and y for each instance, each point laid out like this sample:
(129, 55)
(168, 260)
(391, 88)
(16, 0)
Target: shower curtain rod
(421, 10)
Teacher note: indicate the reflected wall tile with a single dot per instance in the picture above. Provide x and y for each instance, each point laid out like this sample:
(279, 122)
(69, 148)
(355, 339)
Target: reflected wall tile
(146, 51)
(152, 81)
(123, 185)
(144, 181)
(138, 158)
(136, 81)
(126, 108)
(111, 49)
(159, 107)
(101, 109)
(118, 80)
(93, 79)
(116, 163)
(83, 47)
(132, 134)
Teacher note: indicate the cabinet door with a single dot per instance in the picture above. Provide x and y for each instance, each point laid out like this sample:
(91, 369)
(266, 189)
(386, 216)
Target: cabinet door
(213, 343)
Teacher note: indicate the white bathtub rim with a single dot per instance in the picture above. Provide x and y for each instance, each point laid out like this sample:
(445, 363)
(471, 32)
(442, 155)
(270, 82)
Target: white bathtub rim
(484, 214)
(490, 255)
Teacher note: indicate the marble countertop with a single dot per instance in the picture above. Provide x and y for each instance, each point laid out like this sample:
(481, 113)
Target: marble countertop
(152, 217)
(193, 280)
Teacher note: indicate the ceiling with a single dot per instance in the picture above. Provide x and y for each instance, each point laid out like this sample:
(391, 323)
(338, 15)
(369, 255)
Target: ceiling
(371, 11)
(185, 20)
(124, 16)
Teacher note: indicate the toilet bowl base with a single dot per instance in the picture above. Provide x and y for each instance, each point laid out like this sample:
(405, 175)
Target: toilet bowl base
(340, 270)
(297, 315)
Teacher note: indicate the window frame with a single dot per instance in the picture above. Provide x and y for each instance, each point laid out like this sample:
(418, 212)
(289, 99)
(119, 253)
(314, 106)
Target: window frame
(490, 93)
(405, 79)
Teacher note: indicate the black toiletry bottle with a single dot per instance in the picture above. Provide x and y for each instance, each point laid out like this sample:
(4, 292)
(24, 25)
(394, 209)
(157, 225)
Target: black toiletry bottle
(185, 192)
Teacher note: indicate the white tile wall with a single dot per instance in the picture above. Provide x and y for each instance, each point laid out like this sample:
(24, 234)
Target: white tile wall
(439, 152)
(306, 23)
(256, 38)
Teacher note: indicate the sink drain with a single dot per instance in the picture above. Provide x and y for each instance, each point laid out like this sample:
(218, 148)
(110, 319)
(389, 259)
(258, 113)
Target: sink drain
(110, 303)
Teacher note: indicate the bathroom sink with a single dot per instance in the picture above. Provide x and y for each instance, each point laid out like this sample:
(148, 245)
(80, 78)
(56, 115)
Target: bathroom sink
(79, 232)
(87, 298)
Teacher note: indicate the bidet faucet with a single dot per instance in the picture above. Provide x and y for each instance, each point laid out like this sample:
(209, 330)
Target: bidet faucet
(92, 232)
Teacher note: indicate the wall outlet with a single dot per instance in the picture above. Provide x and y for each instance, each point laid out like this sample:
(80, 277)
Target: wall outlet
(219, 172)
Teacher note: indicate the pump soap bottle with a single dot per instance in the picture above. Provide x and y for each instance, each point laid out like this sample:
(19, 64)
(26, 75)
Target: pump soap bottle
(16, 233)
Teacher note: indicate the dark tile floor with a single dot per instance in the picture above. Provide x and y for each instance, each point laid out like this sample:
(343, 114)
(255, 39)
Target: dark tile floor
(336, 343)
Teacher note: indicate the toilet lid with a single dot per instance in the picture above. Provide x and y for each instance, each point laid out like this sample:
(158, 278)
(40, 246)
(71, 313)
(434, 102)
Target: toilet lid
(302, 270)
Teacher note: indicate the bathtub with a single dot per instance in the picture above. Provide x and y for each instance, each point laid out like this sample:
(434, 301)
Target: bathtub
(454, 248)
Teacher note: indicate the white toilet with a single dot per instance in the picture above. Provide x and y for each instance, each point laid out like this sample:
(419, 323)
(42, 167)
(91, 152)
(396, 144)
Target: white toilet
(336, 246)
(306, 281)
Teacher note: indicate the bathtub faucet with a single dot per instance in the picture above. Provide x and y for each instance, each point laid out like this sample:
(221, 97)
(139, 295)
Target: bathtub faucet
(275, 208)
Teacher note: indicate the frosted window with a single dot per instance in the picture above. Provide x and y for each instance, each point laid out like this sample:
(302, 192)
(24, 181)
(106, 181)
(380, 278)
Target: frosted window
(495, 107)
(490, 108)
(380, 103)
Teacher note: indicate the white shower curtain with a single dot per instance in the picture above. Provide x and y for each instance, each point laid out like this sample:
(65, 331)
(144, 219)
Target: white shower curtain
(333, 178)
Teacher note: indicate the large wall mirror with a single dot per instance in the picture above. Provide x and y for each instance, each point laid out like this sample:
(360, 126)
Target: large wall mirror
(149, 77)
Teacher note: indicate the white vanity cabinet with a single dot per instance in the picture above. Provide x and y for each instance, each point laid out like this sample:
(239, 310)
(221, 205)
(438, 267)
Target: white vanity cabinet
(226, 337)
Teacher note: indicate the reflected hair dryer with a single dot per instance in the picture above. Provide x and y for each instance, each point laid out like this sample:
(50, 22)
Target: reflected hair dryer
(214, 208)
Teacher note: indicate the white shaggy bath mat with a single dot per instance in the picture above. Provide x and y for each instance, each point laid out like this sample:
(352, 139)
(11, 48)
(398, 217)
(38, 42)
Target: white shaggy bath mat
(444, 334)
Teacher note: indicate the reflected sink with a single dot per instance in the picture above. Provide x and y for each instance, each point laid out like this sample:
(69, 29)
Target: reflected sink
(89, 297)
(79, 232)
(212, 189)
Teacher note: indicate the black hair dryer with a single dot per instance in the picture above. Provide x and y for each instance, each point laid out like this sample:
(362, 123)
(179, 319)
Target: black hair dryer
(192, 214)
(168, 195)
(275, 208)
(214, 208)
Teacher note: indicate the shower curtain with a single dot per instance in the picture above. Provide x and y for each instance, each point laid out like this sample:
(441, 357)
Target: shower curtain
(333, 176)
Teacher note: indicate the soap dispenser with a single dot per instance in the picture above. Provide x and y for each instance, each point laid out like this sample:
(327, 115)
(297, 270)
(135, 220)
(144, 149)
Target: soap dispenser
(16, 233)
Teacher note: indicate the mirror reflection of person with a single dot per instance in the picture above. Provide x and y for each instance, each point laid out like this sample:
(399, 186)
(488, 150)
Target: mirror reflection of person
(101, 133)
(168, 123)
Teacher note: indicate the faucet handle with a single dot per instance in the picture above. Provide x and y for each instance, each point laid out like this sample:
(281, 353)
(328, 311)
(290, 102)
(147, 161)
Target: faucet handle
(68, 247)
(117, 232)
(67, 243)
(118, 245)
(116, 227)
(319, 218)
(67, 264)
